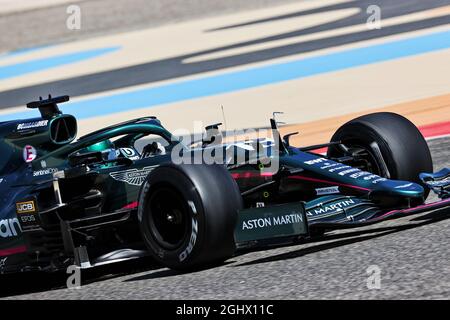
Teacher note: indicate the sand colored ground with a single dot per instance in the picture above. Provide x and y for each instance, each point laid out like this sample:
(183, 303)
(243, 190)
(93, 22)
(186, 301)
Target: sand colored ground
(423, 113)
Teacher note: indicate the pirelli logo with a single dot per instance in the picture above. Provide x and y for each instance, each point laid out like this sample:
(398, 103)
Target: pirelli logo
(25, 207)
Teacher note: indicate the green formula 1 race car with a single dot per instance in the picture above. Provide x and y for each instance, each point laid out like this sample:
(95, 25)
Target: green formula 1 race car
(122, 192)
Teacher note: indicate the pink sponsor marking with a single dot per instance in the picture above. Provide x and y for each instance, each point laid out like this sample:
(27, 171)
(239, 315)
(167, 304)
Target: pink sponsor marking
(424, 206)
(132, 205)
(11, 251)
(329, 182)
(247, 175)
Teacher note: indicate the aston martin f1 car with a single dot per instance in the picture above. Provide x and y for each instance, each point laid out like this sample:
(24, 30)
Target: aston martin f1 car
(121, 192)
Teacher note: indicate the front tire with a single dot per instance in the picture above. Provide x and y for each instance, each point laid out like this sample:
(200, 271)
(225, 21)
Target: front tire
(396, 148)
(187, 215)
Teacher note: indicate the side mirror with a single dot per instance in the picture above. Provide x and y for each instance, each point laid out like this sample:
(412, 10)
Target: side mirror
(287, 137)
(212, 134)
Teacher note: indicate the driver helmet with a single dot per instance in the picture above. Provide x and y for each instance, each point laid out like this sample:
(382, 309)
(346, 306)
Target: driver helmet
(106, 147)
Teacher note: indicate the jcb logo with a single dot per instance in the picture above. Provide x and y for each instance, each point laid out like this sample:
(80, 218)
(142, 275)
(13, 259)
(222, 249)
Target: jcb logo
(25, 207)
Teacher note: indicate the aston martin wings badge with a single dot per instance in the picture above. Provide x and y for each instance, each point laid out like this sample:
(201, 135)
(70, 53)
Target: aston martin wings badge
(134, 177)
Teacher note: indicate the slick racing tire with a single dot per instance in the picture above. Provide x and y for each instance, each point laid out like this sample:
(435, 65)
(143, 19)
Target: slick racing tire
(396, 149)
(188, 213)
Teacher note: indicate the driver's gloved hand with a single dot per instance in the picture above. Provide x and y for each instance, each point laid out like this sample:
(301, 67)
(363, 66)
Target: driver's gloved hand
(150, 149)
(153, 149)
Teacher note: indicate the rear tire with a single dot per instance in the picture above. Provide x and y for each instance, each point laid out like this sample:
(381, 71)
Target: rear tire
(188, 214)
(403, 148)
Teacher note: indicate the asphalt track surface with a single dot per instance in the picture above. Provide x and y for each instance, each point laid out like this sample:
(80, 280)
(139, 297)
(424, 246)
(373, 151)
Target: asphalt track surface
(412, 253)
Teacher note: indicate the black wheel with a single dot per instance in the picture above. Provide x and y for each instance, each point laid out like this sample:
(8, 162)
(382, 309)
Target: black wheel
(187, 215)
(391, 145)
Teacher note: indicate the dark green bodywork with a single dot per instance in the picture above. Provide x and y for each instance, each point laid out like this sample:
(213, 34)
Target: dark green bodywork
(285, 204)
